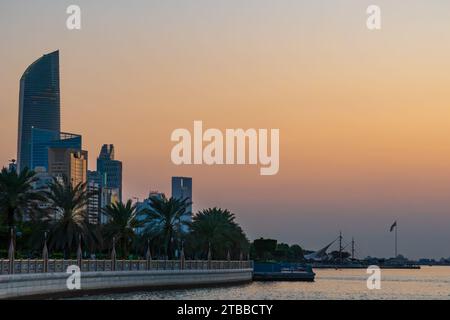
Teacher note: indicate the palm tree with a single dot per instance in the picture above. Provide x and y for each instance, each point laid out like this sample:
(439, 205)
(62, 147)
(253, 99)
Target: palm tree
(124, 219)
(17, 196)
(217, 227)
(69, 205)
(165, 219)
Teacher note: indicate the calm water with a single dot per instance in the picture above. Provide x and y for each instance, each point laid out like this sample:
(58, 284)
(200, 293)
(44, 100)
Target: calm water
(426, 283)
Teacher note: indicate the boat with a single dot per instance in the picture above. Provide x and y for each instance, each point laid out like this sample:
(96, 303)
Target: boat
(282, 272)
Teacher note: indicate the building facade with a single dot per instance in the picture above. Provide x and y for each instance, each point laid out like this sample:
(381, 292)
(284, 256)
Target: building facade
(42, 140)
(68, 162)
(106, 195)
(43, 179)
(94, 202)
(95, 176)
(110, 169)
(39, 103)
(182, 189)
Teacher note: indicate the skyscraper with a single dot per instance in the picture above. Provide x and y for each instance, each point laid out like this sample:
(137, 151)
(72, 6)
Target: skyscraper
(42, 140)
(106, 196)
(110, 169)
(182, 189)
(39, 103)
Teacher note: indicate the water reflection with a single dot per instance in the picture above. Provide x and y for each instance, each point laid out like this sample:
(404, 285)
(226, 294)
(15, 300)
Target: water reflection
(426, 283)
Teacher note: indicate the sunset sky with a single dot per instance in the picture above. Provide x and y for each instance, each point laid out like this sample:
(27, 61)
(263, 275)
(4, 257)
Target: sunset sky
(364, 116)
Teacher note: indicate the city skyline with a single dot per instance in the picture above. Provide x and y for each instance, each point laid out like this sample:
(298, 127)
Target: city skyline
(363, 117)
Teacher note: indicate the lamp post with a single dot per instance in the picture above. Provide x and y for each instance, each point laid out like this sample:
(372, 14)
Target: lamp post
(45, 253)
(11, 252)
(113, 255)
(209, 255)
(182, 256)
(79, 252)
(148, 255)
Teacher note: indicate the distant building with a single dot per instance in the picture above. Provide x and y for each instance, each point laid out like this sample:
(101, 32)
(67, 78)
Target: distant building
(95, 176)
(43, 179)
(182, 189)
(110, 169)
(146, 204)
(68, 162)
(39, 103)
(42, 140)
(94, 202)
(42, 183)
(108, 196)
(95, 186)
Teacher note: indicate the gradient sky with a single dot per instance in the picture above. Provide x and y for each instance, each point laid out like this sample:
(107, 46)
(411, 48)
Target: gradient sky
(364, 117)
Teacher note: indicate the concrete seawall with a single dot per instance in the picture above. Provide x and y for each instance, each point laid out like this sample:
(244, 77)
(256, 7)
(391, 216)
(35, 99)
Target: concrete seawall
(54, 284)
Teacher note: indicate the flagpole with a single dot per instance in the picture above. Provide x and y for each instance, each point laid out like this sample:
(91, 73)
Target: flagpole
(396, 226)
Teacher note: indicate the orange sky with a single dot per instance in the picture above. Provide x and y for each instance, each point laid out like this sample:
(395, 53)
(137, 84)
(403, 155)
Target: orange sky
(363, 116)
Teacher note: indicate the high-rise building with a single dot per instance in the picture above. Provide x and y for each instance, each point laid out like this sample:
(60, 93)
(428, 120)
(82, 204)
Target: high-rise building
(107, 194)
(95, 176)
(39, 103)
(68, 162)
(42, 140)
(94, 202)
(182, 189)
(107, 152)
(110, 169)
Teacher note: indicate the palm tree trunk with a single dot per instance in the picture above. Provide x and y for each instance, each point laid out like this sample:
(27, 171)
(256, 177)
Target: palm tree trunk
(124, 249)
(169, 246)
(65, 253)
(10, 218)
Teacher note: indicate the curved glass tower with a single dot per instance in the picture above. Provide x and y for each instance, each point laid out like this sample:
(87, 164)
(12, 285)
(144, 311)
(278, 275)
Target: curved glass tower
(39, 103)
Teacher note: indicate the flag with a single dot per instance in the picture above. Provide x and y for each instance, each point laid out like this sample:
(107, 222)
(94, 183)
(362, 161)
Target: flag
(394, 225)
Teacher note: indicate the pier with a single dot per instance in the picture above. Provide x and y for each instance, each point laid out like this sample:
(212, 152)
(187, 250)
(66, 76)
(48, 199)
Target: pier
(282, 272)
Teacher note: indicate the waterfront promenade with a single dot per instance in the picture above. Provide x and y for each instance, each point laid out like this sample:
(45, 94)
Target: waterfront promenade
(102, 276)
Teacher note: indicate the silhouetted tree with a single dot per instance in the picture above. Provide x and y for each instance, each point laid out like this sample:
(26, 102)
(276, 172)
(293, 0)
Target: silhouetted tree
(218, 228)
(123, 220)
(70, 218)
(17, 196)
(165, 220)
(264, 248)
